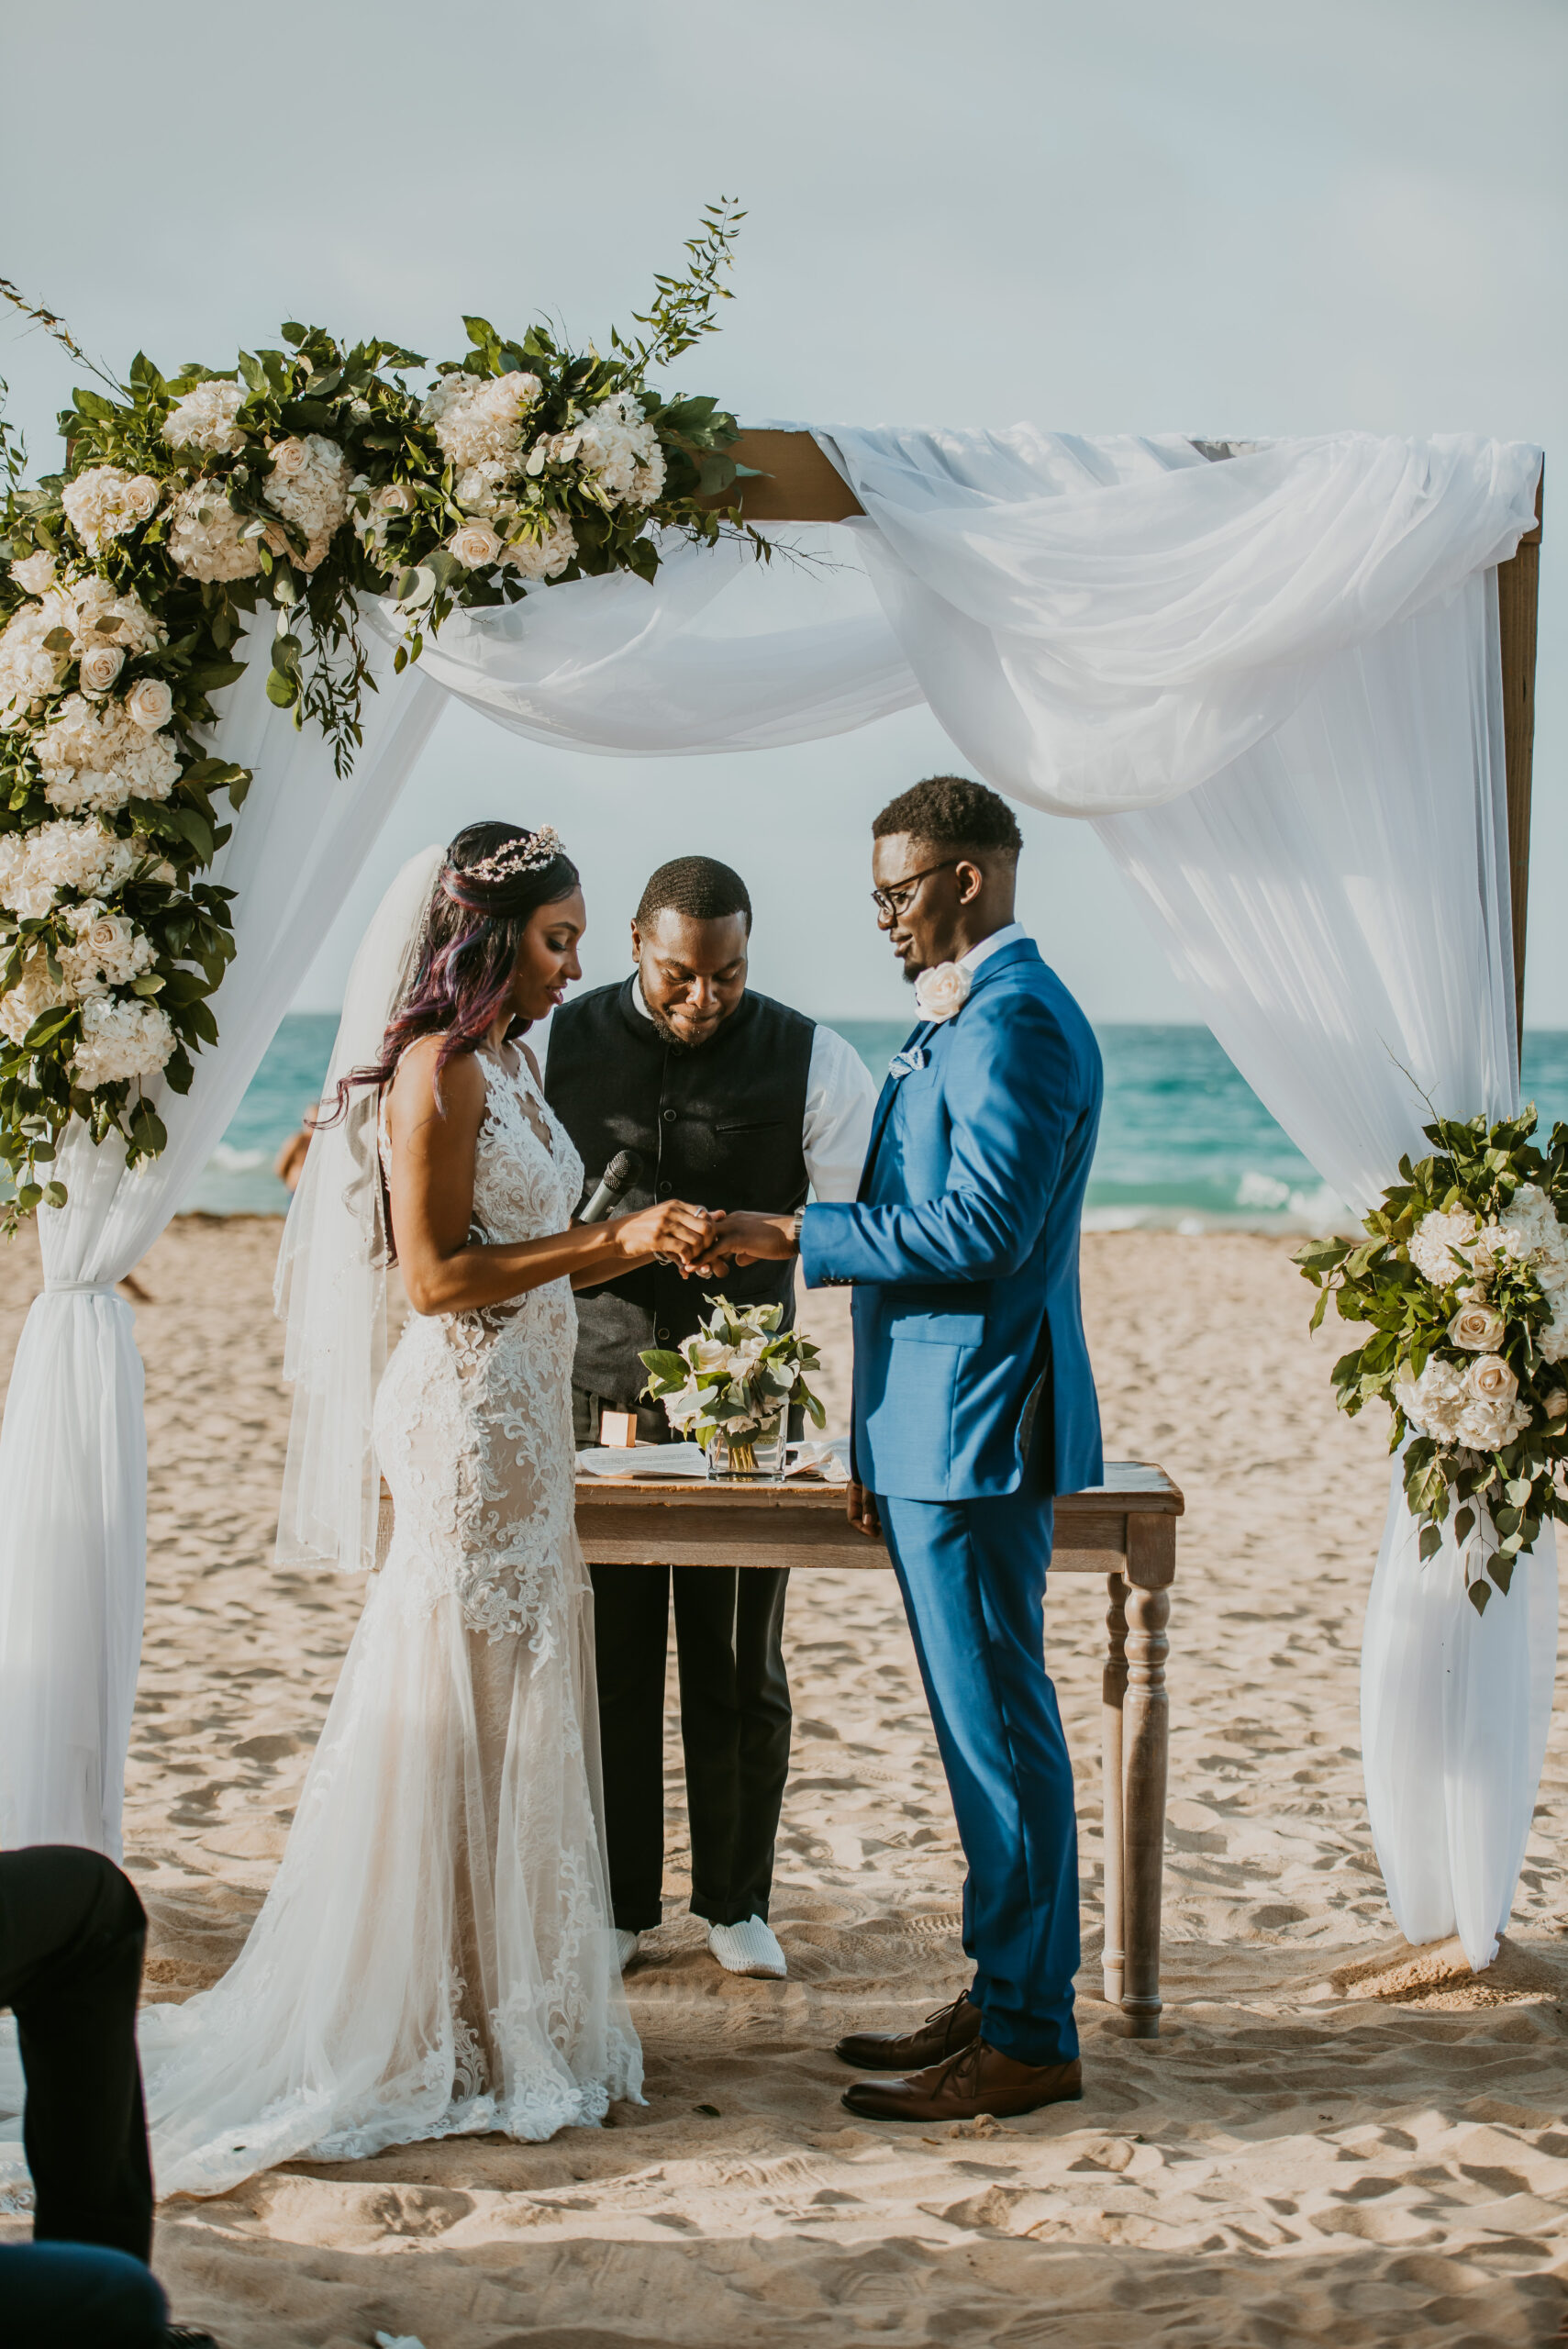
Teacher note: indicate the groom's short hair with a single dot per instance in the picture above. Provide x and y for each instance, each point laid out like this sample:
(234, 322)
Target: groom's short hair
(698, 887)
(952, 813)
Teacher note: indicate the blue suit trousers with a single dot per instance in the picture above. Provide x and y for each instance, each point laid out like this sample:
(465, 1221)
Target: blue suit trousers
(972, 1575)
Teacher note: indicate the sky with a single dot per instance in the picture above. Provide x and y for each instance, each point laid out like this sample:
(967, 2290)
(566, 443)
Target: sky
(1224, 219)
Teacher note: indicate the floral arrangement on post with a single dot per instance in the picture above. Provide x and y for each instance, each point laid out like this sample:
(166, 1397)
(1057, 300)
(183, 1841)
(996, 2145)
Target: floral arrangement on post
(735, 1378)
(1464, 1281)
(301, 479)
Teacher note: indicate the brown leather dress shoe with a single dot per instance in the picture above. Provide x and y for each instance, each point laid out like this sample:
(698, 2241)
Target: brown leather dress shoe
(941, 2034)
(977, 2079)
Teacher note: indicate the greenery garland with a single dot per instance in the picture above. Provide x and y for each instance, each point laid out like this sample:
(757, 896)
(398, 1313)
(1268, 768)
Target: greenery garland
(302, 479)
(1464, 1282)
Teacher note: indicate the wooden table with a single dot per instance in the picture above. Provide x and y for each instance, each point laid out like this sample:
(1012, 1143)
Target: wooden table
(1124, 1530)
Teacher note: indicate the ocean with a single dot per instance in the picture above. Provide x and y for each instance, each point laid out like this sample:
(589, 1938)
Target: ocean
(1186, 1145)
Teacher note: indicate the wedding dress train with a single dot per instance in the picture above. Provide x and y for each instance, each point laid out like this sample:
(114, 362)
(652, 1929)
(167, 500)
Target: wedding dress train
(436, 1955)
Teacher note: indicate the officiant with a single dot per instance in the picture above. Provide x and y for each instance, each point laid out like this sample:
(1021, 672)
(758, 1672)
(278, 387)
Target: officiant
(730, 1100)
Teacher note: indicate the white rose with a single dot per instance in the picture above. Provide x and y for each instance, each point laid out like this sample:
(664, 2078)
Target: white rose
(1557, 1404)
(101, 665)
(1491, 1381)
(475, 547)
(142, 494)
(1477, 1327)
(394, 498)
(943, 992)
(35, 571)
(150, 703)
(289, 458)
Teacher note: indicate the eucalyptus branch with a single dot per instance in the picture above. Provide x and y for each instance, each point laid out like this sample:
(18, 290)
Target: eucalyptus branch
(682, 310)
(52, 324)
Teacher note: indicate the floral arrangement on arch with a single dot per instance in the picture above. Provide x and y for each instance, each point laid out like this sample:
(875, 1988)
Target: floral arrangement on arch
(734, 1377)
(1464, 1281)
(301, 479)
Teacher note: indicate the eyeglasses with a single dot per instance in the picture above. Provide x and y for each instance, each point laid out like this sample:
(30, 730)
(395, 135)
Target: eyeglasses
(891, 903)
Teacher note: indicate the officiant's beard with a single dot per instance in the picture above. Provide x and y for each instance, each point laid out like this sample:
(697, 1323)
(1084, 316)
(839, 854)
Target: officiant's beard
(672, 1036)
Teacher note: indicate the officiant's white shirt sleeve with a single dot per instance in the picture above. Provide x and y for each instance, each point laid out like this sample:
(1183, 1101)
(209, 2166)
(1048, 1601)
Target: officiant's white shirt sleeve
(840, 1099)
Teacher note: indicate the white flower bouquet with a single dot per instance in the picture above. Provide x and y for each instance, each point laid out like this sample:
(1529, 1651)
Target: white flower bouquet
(302, 479)
(733, 1381)
(1464, 1281)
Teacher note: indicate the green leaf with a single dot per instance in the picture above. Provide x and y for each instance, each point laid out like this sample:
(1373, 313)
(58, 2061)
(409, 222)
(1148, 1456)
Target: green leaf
(1478, 1595)
(1463, 1525)
(281, 688)
(1431, 1541)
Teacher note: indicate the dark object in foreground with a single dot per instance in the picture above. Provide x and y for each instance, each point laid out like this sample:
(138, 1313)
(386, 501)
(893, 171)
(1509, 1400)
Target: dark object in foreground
(978, 2079)
(72, 1933)
(950, 2028)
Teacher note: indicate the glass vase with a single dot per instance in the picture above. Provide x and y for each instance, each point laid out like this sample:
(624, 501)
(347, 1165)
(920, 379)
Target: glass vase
(756, 1457)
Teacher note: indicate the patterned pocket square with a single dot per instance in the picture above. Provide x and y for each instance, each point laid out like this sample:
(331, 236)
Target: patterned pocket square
(906, 1063)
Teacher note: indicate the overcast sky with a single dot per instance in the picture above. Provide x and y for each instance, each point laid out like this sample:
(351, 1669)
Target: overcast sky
(1217, 218)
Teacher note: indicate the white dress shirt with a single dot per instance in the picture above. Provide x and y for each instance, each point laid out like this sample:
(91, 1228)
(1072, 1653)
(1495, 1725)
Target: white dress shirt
(840, 1098)
(992, 945)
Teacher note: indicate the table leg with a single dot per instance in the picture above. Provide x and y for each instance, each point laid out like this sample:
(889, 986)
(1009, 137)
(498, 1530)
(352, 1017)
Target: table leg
(1113, 1689)
(1147, 1735)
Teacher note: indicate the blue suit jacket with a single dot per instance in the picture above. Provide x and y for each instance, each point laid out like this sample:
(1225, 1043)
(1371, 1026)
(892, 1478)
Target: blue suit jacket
(963, 1248)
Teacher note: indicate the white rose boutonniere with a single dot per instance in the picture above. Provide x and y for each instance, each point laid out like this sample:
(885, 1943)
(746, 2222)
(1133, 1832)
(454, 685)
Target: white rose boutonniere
(941, 993)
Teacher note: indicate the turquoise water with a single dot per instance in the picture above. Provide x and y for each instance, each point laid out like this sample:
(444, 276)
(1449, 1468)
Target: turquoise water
(1185, 1141)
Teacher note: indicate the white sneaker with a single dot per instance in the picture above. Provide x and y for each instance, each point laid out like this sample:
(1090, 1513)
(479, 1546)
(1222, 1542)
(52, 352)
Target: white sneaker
(626, 1947)
(750, 1948)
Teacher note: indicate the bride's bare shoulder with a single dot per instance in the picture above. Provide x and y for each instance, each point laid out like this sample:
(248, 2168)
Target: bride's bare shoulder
(456, 1098)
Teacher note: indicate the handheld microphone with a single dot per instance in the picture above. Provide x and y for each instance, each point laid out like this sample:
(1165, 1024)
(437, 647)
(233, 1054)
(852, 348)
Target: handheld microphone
(613, 1183)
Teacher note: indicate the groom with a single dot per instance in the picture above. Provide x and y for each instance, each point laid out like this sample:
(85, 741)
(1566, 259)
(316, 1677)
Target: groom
(974, 1403)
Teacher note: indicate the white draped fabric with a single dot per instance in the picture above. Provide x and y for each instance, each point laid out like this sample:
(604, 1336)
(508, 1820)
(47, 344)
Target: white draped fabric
(73, 1450)
(1272, 683)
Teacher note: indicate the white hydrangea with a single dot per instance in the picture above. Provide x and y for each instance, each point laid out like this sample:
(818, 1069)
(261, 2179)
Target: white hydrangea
(547, 556)
(96, 612)
(105, 502)
(98, 756)
(308, 485)
(1477, 1406)
(120, 1040)
(109, 951)
(619, 449)
(204, 418)
(482, 489)
(1433, 1403)
(478, 419)
(1434, 1242)
(204, 540)
(29, 669)
(34, 994)
(71, 853)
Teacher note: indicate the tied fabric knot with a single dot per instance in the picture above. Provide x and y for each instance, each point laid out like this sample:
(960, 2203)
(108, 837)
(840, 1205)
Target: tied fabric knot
(941, 993)
(80, 1288)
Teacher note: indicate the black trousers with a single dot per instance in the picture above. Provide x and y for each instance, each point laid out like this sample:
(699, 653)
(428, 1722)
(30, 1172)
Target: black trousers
(72, 1931)
(735, 1725)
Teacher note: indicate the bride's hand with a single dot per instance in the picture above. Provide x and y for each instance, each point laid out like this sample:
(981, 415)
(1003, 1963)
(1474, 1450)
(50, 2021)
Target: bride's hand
(670, 1228)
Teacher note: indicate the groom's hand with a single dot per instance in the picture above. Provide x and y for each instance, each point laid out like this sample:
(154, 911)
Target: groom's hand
(743, 1239)
(863, 1511)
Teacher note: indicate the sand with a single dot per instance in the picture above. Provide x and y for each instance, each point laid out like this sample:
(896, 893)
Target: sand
(1336, 2139)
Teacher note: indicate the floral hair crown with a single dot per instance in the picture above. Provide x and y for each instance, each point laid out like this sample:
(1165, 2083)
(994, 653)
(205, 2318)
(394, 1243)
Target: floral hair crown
(530, 854)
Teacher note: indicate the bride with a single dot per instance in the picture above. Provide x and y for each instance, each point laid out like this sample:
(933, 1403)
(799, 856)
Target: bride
(436, 1953)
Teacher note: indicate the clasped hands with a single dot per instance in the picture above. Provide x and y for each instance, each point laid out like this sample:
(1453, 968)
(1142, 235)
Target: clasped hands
(705, 1244)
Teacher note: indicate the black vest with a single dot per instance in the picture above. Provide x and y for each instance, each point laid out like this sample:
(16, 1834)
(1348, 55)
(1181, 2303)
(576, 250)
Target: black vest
(720, 1125)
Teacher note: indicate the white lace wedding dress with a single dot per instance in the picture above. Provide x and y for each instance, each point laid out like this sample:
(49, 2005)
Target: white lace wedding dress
(436, 1953)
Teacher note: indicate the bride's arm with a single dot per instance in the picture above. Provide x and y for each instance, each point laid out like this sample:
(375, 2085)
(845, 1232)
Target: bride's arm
(433, 1152)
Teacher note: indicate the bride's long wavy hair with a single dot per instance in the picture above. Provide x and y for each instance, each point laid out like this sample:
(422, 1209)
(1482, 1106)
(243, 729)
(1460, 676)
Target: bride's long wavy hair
(474, 932)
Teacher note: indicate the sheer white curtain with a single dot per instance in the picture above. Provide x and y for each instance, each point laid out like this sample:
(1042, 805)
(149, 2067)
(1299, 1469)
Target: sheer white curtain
(72, 1448)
